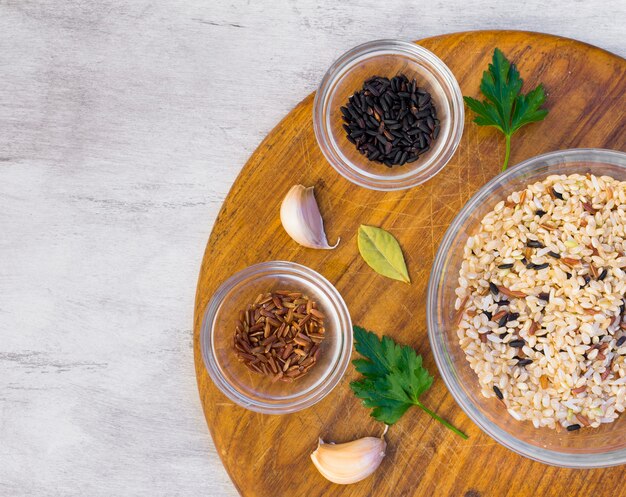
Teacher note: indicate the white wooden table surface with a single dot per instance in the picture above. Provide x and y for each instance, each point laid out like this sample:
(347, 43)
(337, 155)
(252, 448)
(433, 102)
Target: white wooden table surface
(122, 126)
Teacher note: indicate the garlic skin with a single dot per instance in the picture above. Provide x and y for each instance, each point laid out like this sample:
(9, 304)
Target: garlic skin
(351, 461)
(301, 218)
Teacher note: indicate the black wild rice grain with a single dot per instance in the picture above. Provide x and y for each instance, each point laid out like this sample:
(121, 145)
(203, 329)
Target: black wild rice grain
(539, 267)
(534, 244)
(573, 427)
(493, 288)
(391, 121)
(517, 343)
(524, 362)
(544, 296)
(540, 213)
(498, 392)
(621, 341)
(513, 316)
(603, 274)
(554, 254)
(503, 320)
(505, 266)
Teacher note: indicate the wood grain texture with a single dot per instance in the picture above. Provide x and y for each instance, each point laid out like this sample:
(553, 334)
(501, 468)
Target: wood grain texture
(586, 96)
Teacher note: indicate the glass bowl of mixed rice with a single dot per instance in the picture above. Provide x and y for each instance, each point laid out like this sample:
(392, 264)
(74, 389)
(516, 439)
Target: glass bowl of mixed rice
(526, 308)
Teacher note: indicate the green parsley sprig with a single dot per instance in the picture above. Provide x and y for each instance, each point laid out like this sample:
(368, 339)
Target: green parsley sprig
(394, 378)
(505, 107)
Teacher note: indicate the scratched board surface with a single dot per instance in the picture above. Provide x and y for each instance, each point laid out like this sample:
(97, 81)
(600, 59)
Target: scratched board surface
(586, 90)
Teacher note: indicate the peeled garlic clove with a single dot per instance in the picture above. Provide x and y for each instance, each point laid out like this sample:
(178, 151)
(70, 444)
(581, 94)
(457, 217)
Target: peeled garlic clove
(302, 220)
(351, 461)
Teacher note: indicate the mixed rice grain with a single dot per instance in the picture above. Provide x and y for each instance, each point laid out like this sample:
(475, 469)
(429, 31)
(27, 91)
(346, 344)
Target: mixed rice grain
(541, 298)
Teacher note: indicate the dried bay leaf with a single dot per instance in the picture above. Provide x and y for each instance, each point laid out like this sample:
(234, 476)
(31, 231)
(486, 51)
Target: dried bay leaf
(382, 253)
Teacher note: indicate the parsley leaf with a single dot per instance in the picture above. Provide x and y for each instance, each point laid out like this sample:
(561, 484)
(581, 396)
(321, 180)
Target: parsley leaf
(505, 108)
(393, 378)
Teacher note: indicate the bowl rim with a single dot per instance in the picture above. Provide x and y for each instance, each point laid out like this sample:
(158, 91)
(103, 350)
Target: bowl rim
(335, 371)
(547, 456)
(434, 164)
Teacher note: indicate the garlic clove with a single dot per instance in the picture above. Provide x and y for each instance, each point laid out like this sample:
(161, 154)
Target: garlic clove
(301, 218)
(351, 461)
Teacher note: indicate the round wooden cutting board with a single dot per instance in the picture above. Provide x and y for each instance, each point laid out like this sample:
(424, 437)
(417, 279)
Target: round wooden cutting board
(268, 456)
